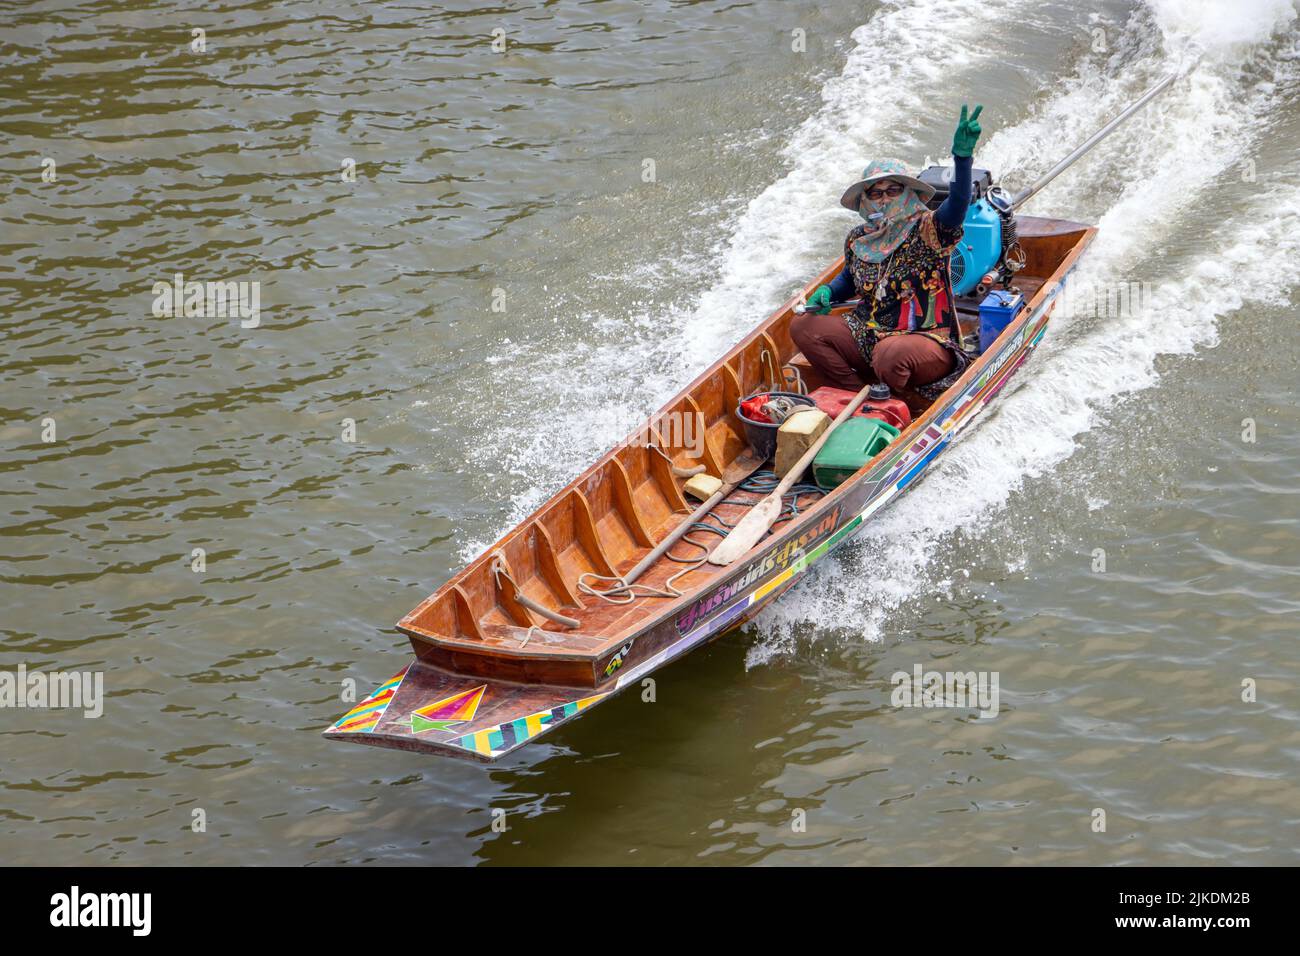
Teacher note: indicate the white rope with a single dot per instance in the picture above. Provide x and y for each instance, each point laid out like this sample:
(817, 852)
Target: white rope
(624, 593)
(679, 472)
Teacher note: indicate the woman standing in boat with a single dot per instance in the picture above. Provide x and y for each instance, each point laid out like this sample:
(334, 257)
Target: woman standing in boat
(904, 332)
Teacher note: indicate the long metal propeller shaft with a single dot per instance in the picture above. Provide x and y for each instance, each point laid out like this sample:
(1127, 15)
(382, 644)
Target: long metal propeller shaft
(1093, 140)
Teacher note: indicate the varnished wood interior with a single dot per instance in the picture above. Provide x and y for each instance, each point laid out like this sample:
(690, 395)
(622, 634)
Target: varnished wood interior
(612, 515)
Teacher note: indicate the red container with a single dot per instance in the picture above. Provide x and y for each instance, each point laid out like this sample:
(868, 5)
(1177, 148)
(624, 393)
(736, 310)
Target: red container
(892, 411)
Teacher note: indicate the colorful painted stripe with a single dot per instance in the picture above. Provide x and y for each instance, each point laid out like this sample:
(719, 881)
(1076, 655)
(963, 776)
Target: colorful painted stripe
(494, 741)
(737, 610)
(362, 718)
(961, 411)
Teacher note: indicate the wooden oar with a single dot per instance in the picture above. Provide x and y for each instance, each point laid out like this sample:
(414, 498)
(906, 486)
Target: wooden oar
(751, 528)
(732, 475)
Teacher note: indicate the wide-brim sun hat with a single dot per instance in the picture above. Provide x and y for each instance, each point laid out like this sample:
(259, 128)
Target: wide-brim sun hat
(883, 169)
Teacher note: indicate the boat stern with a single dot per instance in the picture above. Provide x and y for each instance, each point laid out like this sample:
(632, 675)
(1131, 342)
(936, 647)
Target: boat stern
(423, 709)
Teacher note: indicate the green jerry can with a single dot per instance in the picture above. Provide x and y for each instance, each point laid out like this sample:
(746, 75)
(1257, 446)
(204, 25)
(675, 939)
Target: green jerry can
(850, 447)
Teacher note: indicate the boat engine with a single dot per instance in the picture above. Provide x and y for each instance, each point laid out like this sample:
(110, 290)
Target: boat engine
(989, 251)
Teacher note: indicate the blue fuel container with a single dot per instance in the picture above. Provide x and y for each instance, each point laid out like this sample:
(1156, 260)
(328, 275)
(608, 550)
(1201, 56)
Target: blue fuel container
(997, 311)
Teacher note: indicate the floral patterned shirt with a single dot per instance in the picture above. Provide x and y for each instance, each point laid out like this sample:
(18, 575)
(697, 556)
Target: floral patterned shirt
(917, 282)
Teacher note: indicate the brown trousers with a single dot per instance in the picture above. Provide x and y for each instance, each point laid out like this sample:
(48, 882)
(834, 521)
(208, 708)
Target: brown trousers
(900, 361)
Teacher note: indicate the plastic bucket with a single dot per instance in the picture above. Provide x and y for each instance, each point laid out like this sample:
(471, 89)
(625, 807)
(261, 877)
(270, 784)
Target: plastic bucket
(762, 435)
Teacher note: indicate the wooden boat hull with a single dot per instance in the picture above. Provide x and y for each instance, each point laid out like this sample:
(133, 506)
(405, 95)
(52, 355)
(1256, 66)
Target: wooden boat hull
(483, 693)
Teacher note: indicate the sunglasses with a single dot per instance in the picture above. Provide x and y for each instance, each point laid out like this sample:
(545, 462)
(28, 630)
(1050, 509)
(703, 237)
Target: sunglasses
(893, 189)
(880, 192)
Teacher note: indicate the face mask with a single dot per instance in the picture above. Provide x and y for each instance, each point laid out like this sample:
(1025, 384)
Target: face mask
(878, 211)
(889, 222)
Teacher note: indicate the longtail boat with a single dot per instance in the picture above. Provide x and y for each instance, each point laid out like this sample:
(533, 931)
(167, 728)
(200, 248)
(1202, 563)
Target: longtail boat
(491, 673)
(520, 642)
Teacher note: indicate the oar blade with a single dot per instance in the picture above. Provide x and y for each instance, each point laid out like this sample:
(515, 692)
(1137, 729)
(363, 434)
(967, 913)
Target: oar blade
(748, 532)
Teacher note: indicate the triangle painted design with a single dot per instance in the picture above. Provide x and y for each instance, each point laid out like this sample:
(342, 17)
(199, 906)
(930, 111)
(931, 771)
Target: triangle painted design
(442, 714)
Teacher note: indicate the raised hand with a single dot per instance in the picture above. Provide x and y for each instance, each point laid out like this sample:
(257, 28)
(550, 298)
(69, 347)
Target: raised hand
(968, 131)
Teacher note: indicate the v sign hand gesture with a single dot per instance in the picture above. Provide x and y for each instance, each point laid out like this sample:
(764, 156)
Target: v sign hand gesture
(968, 131)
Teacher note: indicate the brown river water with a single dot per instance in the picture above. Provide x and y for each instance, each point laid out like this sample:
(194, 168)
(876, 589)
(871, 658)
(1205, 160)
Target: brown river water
(1118, 541)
